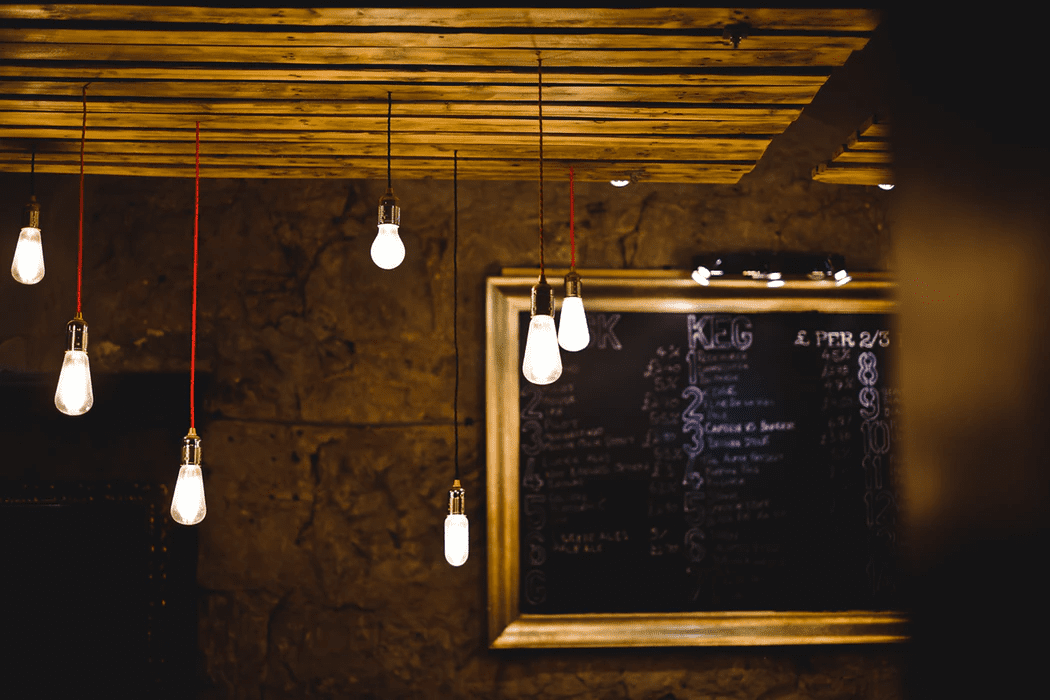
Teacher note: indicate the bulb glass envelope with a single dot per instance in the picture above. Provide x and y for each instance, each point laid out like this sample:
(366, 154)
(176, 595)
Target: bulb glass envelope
(388, 251)
(573, 333)
(188, 506)
(74, 395)
(27, 267)
(457, 529)
(542, 361)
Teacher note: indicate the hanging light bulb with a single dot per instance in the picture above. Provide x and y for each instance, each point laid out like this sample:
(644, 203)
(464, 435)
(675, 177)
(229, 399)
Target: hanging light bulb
(542, 363)
(457, 531)
(28, 264)
(187, 503)
(387, 249)
(74, 396)
(573, 334)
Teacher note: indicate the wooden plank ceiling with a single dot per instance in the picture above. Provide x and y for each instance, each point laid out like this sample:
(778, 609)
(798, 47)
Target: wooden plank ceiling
(653, 94)
(865, 159)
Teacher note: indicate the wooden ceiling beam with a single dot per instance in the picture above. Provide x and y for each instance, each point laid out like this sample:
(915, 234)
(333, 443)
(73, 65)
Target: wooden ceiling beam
(826, 19)
(821, 55)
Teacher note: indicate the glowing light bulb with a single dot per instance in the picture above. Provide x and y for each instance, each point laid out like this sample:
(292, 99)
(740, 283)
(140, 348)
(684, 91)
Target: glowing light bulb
(187, 503)
(702, 276)
(841, 278)
(774, 279)
(885, 186)
(573, 334)
(457, 530)
(619, 183)
(73, 395)
(387, 249)
(542, 362)
(28, 264)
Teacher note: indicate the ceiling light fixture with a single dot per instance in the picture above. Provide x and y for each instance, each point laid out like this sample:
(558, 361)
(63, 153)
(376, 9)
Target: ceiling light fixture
(74, 396)
(705, 271)
(27, 266)
(387, 249)
(542, 362)
(619, 183)
(573, 334)
(885, 186)
(457, 529)
(187, 503)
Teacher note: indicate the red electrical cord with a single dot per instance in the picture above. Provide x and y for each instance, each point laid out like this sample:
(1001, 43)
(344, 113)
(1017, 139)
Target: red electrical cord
(572, 214)
(80, 227)
(539, 104)
(196, 219)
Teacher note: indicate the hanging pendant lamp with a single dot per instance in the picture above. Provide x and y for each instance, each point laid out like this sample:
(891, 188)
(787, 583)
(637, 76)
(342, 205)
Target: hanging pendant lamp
(187, 502)
(457, 529)
(74, 396)
(388, 251)
(573, 334)
(27, 266)
(542, 361)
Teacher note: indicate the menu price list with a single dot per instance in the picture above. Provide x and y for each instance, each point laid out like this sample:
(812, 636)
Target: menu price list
(702, 462)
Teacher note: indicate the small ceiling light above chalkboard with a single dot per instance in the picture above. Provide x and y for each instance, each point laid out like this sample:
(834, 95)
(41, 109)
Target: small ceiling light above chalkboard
(573, 334)
(774, 269)
(28, 264)
(706, 270)
(388, 251)
(542, 362)
(457, 529)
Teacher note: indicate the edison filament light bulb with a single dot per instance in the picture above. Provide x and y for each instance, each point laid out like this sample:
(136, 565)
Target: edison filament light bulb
(573, 334)
(74, 396)
(457, 530)
(542, 363)
(187, 503)
(387, 249)
(28, 264)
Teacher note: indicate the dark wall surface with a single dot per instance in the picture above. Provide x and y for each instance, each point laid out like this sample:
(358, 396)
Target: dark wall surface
(326, 424)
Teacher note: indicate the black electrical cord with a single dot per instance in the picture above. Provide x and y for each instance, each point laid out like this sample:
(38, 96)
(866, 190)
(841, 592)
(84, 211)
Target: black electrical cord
(455, 303)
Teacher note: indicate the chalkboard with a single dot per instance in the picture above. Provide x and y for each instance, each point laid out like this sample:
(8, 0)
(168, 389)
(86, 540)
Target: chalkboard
(731, 458)
(718, 461)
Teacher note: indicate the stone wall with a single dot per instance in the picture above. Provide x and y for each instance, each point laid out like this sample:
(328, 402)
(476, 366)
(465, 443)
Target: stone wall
(327, 423)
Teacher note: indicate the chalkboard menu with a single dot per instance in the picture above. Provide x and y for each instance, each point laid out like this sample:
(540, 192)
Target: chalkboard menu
(732, 457)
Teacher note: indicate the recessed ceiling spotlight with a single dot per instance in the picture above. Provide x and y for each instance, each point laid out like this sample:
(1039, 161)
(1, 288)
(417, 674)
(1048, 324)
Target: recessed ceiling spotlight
(619, 183)
(885, 186)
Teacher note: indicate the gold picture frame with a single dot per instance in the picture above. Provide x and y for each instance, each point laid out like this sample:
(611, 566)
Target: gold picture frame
(626, 291)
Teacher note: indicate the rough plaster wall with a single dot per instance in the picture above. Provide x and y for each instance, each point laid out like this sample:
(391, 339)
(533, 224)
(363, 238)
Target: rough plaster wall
(327, 443)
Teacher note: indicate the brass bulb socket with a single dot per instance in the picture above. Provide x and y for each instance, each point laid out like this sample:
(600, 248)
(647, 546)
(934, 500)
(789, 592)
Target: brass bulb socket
(572, 284)
(77, 334)
(542, 299)
(389, 211)
(456, 503)
(191, 449)
(31, 214)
